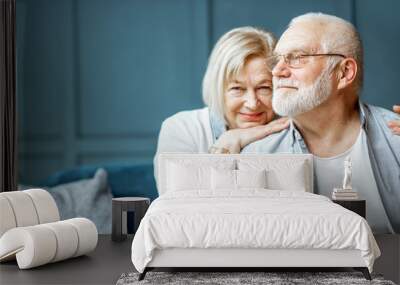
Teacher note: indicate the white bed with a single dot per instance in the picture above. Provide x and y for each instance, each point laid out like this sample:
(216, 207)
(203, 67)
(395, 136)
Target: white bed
(247, 211)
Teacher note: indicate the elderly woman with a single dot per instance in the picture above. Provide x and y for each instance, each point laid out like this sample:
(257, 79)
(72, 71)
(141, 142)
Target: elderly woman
(237, 89)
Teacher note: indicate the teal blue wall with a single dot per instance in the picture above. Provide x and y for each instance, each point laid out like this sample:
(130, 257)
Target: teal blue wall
(96, 78)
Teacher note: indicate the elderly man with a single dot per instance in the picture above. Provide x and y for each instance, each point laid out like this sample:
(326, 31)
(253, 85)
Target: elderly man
(317, 77)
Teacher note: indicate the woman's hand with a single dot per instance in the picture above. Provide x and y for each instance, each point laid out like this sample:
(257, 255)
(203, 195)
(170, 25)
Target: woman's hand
(233, 141)
(395, 125)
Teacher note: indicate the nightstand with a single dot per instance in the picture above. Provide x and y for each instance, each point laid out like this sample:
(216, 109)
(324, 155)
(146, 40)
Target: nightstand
(120, 207)
(357, 206)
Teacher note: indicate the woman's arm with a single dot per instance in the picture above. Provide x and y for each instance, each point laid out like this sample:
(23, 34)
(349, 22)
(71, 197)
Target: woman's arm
(233, 141)
(175, 136)
(395, 125)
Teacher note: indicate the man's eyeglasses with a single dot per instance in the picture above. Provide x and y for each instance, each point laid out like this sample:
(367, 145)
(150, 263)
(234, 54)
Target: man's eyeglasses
(294, 60)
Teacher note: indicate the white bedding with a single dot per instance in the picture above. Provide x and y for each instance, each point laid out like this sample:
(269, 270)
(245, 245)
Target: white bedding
(251, 218)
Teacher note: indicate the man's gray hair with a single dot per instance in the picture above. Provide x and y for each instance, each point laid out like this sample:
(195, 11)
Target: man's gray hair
(338, 36)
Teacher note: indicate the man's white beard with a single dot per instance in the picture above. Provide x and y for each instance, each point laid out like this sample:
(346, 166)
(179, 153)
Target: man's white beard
(304, 99)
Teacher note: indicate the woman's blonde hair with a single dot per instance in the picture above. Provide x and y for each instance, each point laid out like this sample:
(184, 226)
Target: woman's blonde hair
(228, 58)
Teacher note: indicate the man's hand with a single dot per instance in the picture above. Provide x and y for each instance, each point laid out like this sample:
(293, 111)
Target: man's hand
(395, 125)
(233, 141)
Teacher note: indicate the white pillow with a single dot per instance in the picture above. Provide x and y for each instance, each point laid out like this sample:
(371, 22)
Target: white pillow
(283, 174)
(291, 180)
(187, 177)
(193, 174)
(223, 179)
(236, 179)
(251, 178)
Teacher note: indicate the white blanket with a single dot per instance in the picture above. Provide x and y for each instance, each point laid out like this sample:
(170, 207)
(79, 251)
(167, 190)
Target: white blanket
(250, 219)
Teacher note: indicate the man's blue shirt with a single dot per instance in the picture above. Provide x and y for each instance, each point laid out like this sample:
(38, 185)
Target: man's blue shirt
(383, 148)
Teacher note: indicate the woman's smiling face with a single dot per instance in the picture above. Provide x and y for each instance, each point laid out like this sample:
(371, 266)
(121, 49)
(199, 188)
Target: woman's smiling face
(248, 97)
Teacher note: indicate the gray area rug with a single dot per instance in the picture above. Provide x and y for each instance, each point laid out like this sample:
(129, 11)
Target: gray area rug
(229, 278)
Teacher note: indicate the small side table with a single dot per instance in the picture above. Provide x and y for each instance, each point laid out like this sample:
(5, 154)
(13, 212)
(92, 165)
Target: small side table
(357, 206)
(120, 207)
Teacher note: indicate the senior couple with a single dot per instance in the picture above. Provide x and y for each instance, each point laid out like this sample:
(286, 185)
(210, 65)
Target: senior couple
(312, 78)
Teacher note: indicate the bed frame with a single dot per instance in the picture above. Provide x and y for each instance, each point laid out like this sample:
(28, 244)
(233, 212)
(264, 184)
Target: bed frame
(242, 259)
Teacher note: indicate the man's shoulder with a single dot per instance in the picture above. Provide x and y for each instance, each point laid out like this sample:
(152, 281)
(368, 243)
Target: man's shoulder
(277, 142)
(377, 119)
(381, 112)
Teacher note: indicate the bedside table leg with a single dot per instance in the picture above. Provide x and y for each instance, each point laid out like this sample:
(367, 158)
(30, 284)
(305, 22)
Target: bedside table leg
(117, 218)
